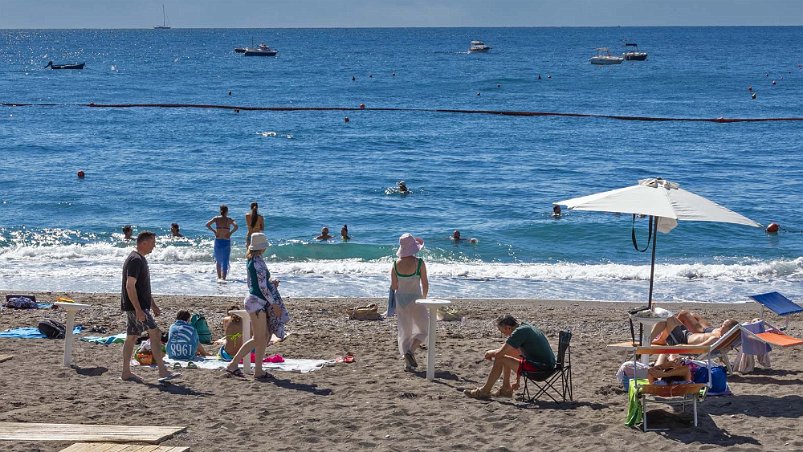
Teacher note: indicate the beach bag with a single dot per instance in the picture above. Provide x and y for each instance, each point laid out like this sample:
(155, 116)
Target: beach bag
(144, 355)
(719, 378)
(52, 329)
(369, 312)
(202, 327)
(21, 302)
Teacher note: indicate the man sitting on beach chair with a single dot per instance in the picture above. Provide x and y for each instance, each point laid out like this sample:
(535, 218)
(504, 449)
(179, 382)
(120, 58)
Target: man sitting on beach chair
(687, 328)
(526, 349)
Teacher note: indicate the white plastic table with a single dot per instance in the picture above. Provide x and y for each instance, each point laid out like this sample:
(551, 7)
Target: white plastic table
(243, 314)
(432, 304)
(71, 309)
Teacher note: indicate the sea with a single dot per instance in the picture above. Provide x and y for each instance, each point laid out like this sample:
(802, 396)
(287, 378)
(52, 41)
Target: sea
(492, 177)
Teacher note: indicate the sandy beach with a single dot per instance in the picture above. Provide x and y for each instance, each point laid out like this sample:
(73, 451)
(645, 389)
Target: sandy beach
(372, 403)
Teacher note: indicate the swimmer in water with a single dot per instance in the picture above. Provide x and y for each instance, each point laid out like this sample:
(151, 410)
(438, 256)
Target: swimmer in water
(556, 211)
(324, 234)
(174, 230)
(344, 233)
(456, 236)
(403, 188)
(128, 231)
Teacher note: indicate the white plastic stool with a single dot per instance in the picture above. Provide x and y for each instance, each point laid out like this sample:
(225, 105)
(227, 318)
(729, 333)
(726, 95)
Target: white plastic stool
(246, 321)
(71, 309)
(432, 304)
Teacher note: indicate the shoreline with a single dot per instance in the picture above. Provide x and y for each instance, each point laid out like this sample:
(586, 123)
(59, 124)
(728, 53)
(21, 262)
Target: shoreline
(372, 403)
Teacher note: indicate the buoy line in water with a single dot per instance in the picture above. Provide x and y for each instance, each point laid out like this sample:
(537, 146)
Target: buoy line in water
(414, 110)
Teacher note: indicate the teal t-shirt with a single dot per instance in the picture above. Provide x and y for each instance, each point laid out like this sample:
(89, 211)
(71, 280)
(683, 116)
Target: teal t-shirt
(533, 343)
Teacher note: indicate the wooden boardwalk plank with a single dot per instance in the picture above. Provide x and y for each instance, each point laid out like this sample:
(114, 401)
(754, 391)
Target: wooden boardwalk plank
(29, 431)
(112, 447)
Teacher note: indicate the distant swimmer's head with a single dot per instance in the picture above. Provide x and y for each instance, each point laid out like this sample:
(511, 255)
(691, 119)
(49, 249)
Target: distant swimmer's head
(409, 245)
(556, 210)
(174, 230)
(224, 210)
(128, 231)
(324, 231)
(473, 241)
(456, 235)
(402, 187)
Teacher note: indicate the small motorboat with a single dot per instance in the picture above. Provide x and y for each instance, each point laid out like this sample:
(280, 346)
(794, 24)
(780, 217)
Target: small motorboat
(604, 57)
(478, 46)
(64, 66)
(632, 52)
(261, 50)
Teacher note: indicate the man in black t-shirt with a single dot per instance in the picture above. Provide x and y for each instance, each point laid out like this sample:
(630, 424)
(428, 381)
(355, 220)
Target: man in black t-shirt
(136, 302)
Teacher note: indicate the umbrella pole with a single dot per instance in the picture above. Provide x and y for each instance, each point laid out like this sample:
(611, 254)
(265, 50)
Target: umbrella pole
(652, 264)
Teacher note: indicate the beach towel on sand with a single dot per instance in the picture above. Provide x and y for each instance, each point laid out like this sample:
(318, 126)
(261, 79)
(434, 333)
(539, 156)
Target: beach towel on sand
(289, 365)
(29, 333)
(105, 340)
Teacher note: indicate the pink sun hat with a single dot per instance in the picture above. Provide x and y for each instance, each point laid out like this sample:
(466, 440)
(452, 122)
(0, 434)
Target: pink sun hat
(409, 245)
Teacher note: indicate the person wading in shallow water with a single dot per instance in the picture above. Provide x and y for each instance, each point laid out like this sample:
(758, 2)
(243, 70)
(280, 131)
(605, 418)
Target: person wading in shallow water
(224, 228)
(254, 222)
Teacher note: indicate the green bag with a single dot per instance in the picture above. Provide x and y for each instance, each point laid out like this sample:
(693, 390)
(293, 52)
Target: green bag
(199, 323)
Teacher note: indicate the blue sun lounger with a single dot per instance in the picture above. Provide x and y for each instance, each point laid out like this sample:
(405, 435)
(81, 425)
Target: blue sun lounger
(778, 304)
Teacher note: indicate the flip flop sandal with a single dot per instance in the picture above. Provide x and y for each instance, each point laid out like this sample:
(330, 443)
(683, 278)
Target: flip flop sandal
(264, 377)
(178, 366)
(192, 365)
(348, 359)
(236, 373)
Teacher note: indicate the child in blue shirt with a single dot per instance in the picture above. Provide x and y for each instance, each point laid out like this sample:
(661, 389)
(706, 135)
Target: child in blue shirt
(182, 341)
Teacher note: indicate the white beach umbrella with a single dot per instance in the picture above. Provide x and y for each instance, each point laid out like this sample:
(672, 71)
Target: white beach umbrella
(665, 202)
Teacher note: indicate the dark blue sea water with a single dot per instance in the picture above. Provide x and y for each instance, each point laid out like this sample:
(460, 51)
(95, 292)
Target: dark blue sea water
(492, 177)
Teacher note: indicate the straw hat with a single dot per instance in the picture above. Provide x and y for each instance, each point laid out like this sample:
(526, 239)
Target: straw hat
(258, 242)
(409, 245)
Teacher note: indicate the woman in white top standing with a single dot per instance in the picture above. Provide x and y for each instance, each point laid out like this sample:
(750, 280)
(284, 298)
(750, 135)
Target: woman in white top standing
(408, 279)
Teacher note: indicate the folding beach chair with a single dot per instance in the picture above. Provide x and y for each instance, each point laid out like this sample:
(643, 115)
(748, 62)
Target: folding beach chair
(719, 349)
(670, 394)
(778, 304)
(553, 382)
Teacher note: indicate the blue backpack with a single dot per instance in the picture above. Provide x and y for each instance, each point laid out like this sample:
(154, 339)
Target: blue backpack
(719, 378)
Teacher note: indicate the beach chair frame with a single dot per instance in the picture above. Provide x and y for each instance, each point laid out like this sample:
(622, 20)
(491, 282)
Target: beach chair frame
(779, 304)
(680, 394)
(555, 383)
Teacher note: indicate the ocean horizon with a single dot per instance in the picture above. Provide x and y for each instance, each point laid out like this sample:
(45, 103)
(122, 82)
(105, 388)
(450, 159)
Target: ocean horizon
(492, 177)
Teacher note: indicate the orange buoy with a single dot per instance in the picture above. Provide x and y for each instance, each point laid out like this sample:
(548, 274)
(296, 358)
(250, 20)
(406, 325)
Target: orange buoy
(772, 228)
(80, 174)
(362, 106)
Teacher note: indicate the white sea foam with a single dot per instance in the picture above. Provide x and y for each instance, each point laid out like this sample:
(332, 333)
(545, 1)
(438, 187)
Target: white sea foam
(186, 267)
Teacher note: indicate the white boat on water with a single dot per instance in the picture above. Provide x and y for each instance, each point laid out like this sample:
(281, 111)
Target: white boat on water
(164, 25)
(604, 57)
(261, 50)
(478, 46)
(633, 53)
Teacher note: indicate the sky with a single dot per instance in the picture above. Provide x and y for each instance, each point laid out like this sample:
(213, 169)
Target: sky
(395, 13)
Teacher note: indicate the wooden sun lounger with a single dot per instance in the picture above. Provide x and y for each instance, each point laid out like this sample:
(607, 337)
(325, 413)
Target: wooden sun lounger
(30, 431)
(112, 447)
